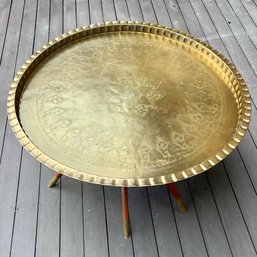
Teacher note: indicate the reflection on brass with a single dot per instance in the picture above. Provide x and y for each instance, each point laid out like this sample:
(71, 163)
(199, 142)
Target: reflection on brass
(128, 103)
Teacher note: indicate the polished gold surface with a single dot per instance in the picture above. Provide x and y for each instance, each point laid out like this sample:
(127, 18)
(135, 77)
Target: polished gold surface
(128, 103)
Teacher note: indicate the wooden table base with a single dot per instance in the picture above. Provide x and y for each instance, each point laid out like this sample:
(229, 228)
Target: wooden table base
(124, 202)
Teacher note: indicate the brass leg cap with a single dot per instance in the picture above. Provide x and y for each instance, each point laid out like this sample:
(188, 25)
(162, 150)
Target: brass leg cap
(126, 229)
(181, 205)
(53, 181)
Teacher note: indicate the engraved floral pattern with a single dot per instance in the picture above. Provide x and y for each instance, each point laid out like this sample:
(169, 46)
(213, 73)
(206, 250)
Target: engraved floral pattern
(126, 113)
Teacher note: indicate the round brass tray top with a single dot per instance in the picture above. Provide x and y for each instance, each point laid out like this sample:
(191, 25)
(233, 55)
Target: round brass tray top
(128, 104)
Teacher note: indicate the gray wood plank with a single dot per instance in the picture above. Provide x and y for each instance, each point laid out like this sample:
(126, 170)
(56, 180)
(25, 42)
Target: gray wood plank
(94, 221)
(177, 19)
(253, 124)
(69, 15)
(144, 240)
(25, 221)
(204, 19)
(42, 24)
(230, 42)
(27, 207)
(9, 179)
(5, 7)
(247, 149)
(231, 216)
(96, 12)
(220, 24)
(251, 8)
(211, 225)
(56, 17)
(147, 11)
(9, 59)
(161, 12)
(244, 17)
(121, 10)
(10, 165)
(48, 226)
(239, 32)
(109, 13)
(192, 242)
(82, 13)
(134, 9)
(230, 18)
(190, 18)
(117, 245)
(234, 50)
(244, 191)
(165, 227)
(72, 243)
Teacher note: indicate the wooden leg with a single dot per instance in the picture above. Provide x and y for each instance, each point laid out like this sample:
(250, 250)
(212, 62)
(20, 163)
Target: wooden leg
(125, 211)
(53, 181)
(174, 191)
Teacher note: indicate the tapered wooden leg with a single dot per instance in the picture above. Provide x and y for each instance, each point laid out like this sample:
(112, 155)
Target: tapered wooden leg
(174, 191)
(53, 181)
(125, 211)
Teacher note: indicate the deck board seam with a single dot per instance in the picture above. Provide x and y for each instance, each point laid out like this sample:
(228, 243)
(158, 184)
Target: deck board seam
(89, 12)
(106, 223)
(126, 2)
(3, 142)
(83, 219)
(242, 159)
(5, 34)
(248, 11)
(176, 224)
(152, 221)
(141, 10)
(21, 149)
(198, 220)
(240, 209)
(16, 201)
(218, 211)
(38, 208)
(166, 8)
(235, 36)
(239, 45)
(60, 218)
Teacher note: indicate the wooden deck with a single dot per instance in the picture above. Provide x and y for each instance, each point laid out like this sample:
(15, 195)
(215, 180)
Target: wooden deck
(78, 219)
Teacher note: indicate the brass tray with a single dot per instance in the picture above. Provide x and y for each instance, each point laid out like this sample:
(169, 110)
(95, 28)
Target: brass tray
(128, 104)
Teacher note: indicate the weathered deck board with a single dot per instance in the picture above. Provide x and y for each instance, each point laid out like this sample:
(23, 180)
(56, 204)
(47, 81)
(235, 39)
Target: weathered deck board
(231, 216)
(49, 203)
(78, 219)
(164, 222)
(117, 245)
